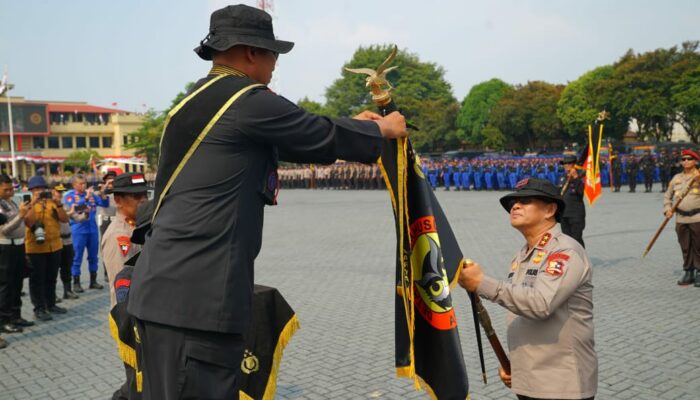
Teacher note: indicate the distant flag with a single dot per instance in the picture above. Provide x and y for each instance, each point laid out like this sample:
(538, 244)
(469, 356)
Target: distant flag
(114, 104)
(592, 187)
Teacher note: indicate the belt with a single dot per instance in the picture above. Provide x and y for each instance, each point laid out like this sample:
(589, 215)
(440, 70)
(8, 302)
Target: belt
(688, 213)
(12, 241)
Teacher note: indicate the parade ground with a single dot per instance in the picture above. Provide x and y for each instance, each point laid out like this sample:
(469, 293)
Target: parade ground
(331, 254)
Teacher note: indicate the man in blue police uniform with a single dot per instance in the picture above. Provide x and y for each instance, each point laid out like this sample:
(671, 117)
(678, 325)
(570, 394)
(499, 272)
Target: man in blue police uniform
(192, 285)
(83, 203)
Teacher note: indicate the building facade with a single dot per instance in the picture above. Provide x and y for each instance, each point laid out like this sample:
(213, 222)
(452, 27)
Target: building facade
(46, 132)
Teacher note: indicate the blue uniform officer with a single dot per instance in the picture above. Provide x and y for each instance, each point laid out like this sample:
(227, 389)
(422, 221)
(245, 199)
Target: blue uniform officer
(83, 204)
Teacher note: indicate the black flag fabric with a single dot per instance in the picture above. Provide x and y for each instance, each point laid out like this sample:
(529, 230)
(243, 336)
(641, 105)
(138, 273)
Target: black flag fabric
(428, 259)
(274, 323)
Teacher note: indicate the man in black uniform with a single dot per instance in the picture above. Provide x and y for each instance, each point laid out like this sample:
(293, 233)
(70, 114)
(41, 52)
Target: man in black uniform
(648, 164)
(573, 221)
(616, 171)
(632, 171)
(665, 169)
(192, 286)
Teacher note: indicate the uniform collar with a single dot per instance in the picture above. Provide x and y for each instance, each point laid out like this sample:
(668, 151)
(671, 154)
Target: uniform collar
(545, 240)
(125, 220)
(219, 69)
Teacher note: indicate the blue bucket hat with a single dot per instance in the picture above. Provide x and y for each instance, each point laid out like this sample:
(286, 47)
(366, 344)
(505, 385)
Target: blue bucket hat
(37, 181)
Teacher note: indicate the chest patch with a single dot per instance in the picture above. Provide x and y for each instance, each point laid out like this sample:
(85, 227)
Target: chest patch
(124, 243)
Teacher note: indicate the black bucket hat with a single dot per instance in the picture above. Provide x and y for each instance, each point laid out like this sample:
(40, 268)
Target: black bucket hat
(533, 187)
(240, 25)
(568, 159)
(132, 182)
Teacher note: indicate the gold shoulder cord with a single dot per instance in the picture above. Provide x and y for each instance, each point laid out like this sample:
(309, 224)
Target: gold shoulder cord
(201, 136)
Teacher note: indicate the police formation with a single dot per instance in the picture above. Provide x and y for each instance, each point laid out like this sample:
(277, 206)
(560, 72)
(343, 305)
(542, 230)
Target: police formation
(483, 173)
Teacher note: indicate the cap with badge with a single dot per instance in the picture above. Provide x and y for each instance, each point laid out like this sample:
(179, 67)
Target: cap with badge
(132, 182)
(58, 186)
(538, 188)
(690, 153)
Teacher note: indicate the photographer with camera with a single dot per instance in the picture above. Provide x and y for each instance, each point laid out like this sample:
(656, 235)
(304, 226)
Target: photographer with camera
(43, 245)
(12, 261)
(84, 228)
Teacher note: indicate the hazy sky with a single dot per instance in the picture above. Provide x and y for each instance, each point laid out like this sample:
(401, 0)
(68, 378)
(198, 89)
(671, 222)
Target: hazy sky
(140, 53)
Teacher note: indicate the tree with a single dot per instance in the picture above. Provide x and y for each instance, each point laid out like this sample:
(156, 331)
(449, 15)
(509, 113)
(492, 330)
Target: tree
(686, 98)
(581, 102)
(422, 93)
(493, 138)
(477, 105)
(640, 87)
(146, 140)
(527, 116)
(80, 159)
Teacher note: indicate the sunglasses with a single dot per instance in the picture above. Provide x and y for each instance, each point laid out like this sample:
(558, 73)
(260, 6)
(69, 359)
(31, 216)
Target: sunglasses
(687, 159)
(522, 200)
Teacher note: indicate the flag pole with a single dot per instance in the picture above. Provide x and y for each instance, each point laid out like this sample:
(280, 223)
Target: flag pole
(5, 89)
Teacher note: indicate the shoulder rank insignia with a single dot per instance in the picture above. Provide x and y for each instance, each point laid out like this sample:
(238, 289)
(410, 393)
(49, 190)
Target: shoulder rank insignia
(538, 257)
(124, 243)
(556, 264)
(514, 266)
(545, 239)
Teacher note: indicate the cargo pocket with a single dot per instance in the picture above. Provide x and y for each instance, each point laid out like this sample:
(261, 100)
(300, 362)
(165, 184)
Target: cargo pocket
(210, 372)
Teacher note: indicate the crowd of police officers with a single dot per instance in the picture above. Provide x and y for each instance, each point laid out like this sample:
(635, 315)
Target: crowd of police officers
(489, 173)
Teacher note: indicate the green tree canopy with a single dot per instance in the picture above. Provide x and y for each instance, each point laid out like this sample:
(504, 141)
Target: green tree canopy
(640, 87)
(422, 93)
(527, 116)
(477, 105)
(686, 97)
(580, 104)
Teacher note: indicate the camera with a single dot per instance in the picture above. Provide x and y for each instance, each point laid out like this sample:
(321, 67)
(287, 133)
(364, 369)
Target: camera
(45, 195)
(39, 232)
(82, 208)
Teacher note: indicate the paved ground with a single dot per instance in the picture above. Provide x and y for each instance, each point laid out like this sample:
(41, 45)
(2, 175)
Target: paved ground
(331, 255)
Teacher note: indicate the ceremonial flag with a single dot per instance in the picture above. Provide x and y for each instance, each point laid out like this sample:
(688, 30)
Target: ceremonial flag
(592, 186)
(428, 259)
(274, 323)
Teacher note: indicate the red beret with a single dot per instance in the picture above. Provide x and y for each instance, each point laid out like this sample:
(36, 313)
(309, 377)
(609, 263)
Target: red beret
(690, 153)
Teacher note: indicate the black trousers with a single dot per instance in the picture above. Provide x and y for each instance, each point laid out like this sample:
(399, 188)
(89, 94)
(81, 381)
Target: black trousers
(42, 281)
(12, 264)
(66, 263)
(689, 239)
(180, 363)
(574, 227)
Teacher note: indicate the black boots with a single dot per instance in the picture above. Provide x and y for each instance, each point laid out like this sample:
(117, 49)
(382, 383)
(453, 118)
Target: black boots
(697, 281)
(688, 277)
(76, 285)
(93, 281)
(68, 294)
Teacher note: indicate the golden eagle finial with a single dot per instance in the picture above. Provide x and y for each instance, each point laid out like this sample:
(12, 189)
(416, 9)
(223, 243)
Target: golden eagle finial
(376, 79)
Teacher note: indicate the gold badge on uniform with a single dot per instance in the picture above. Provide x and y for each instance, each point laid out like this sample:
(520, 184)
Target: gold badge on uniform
(539, 256)
(514, 266)
(250, 363)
